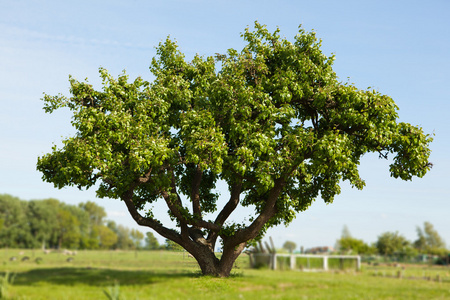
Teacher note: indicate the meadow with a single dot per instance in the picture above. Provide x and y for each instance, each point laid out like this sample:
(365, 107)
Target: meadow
(174, 275)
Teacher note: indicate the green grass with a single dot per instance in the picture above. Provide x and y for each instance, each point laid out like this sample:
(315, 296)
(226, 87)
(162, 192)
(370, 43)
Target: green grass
(172, 275)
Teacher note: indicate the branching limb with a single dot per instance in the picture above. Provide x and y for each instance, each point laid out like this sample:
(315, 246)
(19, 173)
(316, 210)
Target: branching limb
(251, 231)
(227, 210)
(231, 205)
(149, 222)
(195, 194)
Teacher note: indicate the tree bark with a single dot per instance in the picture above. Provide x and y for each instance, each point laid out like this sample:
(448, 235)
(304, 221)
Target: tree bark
(210, 265)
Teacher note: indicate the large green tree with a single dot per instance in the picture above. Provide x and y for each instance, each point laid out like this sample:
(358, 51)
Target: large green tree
(272, 121)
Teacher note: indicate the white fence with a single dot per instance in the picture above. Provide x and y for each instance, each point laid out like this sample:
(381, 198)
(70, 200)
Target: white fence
(272, 261)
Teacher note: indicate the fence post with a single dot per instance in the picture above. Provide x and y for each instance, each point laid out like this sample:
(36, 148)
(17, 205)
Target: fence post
(274, 261)
(325, 263)
(358, 262)
(292, 262)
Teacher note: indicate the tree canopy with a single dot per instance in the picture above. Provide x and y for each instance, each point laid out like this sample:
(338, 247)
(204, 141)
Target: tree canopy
(272, 121)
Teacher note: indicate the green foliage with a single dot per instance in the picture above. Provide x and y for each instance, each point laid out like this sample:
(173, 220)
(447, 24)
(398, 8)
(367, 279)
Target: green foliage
(124, 239)
(151, 242)
(96, 213)
(429, 241)
(50, 223)
(394, 244)
(16, 228)
(349, 245)
(137, 238)
(172, 246)
(107, 237)
(113, 292)
(289, 246)
(5, 283)
(44, 225)
(272, 121)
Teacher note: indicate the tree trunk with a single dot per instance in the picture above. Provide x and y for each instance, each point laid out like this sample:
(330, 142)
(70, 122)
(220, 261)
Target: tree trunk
(210, 265)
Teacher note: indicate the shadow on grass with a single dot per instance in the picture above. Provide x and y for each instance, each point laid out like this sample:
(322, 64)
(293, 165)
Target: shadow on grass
(97, 276)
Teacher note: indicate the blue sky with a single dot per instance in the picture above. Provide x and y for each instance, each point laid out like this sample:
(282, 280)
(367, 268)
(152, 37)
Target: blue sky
(401, 48)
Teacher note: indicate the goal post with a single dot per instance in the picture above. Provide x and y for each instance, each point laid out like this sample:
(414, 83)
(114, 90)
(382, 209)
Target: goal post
(306, 262)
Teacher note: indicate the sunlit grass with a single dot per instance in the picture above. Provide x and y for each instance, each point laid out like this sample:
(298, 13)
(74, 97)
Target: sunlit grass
(173, 275)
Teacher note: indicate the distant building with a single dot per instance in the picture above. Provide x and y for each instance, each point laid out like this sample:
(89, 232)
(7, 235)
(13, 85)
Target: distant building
(320, 250)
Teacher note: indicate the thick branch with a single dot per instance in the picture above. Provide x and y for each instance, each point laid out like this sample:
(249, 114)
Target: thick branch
(226, 210)
(231, 204)
(175, 209)
(195, 194)
(149, 222)
(269, 210)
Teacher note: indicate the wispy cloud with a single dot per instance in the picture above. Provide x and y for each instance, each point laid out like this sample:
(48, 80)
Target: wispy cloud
(15, 33)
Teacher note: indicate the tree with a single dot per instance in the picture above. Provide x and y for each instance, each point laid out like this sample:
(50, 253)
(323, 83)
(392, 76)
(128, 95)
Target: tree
(137, 238)
(172, 246)
(96, 212)
(96, 231)
(43, 224)
(16, 228)
(429, 240)
(392, 243)
(107, 237)
(123, 233)
(151, 242)
(68, 229)
(353, 245)
(345, 233)
(289, 246)
(349, 244)
(272, 121)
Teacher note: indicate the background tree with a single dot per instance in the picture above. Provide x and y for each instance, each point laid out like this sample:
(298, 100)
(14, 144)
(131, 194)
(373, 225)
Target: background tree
(289, 246)
(16, 231)
(345, 232)
(124, 240)
(50, 223)
(394, 244)
(172, 246)
(96, 229)
(355, 246)
(272, 121)
(107, 237)
(429, 241)
(151, 242)
(43, 224)
(137, 238)
(350, 245)
(68, 229)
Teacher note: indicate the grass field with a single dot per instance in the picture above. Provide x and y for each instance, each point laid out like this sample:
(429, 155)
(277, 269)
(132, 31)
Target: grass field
(173, 275)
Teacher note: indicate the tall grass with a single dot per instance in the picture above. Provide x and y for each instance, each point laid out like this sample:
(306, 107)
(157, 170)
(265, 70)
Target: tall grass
(5, 283)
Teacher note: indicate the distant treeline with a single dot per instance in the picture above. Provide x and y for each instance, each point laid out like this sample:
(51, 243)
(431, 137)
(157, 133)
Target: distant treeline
(395, 246)
(53, 224)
